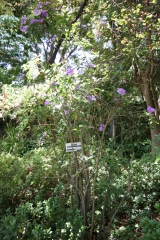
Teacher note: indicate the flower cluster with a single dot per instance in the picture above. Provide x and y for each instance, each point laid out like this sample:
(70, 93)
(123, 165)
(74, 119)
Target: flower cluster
(23, 27)
(38, 11)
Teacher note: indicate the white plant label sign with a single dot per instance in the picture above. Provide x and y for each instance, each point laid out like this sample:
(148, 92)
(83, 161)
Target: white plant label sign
(72, 147)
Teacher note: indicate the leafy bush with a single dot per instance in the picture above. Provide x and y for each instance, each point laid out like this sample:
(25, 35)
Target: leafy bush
(42, 220)
(150, 229)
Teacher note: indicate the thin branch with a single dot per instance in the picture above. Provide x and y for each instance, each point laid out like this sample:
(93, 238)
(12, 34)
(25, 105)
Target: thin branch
(129, 187)
(56, 50)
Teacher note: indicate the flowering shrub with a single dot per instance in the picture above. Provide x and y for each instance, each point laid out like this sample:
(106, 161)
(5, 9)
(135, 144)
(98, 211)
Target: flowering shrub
(38, 11)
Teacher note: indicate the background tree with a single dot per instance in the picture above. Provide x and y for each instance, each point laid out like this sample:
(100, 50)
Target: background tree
(132, 31)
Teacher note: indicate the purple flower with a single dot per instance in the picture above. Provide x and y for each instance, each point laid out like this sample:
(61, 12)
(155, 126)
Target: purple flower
(90, 65)
(22, 76)
(23, 20)
(32, 21)
(40, 20)
(28, 84)
(37, 12)
(101, 128)
(39, 4)
(44, 13)
(23, 28)
(46, 3)
(121, 91)
(66, 112)
(54, 84)
(54, 38)
(41, 139)
(150, 109)
(70, 71)
(46, 102)
(43, 94)
(80, 72)
(77, 87)
(92, 98)
(116, 99)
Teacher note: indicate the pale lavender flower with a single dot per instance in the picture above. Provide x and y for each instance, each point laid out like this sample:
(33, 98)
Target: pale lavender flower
(23, 20)
(46, 3)
(37, 12)
(92, 98)
(46, 102)
(70, 71)
(80, 72)
(23, 28)
(90, 65)
(101, 128)
(116, 99)
(43, 135)
(39, 4)
(77, 87)
(121, 91)
(28, 84)
(54, 84)
(66, 112)
(44, 13)
(43, 94)
(22, 76)
(150, 109)
(54, 38)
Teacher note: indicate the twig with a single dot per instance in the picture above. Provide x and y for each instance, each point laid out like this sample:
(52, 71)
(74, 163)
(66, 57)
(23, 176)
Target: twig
(56, 50)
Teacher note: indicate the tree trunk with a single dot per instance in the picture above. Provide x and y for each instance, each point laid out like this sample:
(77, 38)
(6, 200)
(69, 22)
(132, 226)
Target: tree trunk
(154, 134)
(155, 131)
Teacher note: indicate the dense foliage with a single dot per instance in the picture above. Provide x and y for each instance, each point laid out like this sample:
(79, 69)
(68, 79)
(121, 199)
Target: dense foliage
(86, 72)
